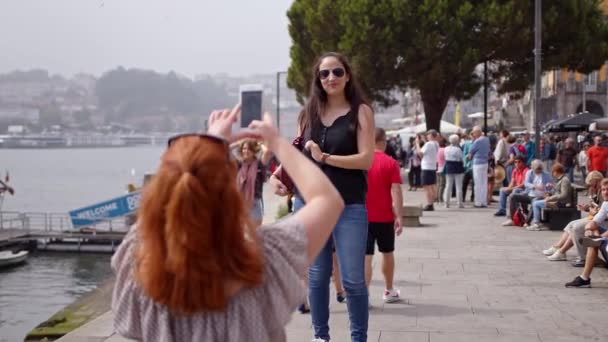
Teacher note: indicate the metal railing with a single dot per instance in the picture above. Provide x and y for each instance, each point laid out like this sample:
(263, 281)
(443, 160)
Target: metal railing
(40, 221)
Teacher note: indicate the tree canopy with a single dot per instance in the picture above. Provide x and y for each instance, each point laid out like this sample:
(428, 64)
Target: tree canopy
(436, 46)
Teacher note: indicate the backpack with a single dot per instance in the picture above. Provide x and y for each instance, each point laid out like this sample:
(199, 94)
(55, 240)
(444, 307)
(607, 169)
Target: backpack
(520, 217)
(520, 150)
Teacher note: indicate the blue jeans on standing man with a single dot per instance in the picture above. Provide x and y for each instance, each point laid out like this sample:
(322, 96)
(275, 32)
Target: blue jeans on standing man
(570, 173)
(350, 238)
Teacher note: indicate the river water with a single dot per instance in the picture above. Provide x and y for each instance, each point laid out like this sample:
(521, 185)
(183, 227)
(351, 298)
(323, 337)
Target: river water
(58, 181)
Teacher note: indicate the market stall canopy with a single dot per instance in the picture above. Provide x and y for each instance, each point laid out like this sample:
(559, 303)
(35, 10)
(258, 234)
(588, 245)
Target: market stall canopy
(574, 123)
(600, 124)
(445, 128)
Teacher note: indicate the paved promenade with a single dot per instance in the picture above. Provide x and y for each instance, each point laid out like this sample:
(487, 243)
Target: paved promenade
(463, 277)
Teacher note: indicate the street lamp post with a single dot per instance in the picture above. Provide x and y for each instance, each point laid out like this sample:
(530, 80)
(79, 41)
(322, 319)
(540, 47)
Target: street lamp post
(279, 99)
(485, 97)
(537, 66)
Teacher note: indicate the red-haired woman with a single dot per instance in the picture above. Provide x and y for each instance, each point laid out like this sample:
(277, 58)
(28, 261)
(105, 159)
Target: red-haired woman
(194, 267)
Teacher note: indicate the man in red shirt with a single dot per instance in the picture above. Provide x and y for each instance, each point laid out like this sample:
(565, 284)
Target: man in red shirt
(518, 177)
(597, 157)
(383, 195)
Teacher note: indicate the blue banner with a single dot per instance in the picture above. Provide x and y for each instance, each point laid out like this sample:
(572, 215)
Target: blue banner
(105, 211)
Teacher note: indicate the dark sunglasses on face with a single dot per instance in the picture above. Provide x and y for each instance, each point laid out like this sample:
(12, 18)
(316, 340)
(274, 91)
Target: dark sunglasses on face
(338, 72)
(216, 139)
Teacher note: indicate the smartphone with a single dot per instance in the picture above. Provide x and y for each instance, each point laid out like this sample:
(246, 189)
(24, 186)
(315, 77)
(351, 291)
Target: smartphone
(251, 103)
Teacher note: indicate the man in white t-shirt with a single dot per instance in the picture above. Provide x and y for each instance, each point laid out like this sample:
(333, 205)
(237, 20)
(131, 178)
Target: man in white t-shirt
(428, 153)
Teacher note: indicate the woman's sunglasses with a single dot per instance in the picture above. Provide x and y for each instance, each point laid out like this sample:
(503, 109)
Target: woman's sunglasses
(213, 138)
(338, 72)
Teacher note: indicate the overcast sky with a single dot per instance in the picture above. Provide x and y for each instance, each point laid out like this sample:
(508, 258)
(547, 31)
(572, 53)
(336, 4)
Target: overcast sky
(240, 37)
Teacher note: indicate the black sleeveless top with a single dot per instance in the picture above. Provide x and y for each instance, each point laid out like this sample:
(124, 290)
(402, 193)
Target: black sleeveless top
(340, 139)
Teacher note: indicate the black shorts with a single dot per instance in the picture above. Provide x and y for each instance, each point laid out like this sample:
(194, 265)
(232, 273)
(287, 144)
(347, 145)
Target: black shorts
(384, 233)
(429, 177)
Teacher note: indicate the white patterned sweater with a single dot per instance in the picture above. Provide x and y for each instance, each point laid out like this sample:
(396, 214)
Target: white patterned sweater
(253, 314)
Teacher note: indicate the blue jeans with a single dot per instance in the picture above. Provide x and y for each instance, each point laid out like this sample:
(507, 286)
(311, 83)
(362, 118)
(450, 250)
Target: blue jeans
(502, 202)
(537, 205)
(350, 238)
(570, 173)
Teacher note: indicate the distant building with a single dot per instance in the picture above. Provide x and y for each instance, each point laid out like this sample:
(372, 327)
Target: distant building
(566, 92)
(27, 114)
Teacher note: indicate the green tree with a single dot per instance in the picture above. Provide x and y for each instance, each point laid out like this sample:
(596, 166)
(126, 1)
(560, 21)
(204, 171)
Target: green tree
(437, 46)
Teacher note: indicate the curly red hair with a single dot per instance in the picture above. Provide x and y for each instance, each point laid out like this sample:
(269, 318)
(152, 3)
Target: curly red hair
(194, 231)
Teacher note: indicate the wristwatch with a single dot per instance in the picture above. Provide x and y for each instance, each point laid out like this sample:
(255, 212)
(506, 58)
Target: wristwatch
(324, 157)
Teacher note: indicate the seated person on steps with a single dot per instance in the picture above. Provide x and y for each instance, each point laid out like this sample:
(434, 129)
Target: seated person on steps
(559, 196)
(576, 229)
(516, 185)
(596, 235)
(537, 182)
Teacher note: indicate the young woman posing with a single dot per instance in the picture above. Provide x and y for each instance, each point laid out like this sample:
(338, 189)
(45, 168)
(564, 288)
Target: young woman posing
(337, 125)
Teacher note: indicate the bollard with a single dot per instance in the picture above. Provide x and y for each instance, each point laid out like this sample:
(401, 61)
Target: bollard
(411, 216)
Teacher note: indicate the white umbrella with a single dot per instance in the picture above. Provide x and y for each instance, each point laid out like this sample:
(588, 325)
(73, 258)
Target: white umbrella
(445, 128)
(477, 115)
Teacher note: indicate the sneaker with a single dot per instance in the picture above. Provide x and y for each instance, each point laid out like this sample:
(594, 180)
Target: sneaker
(535, 227)
(578, 263)
(507, 223)
(579, 282)
(340, 297)
(391, 296)
(550, 250)
(590, 241)
(318, 340)
(304, 308)
(447, 205)
(500, 213)
(428, 207)
(557, 256)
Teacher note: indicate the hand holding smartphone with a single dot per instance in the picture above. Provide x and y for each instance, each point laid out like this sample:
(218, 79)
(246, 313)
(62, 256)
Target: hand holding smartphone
(251, 103)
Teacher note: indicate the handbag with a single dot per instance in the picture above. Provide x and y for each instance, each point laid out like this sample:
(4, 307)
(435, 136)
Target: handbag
(520, 217)
(283, 176)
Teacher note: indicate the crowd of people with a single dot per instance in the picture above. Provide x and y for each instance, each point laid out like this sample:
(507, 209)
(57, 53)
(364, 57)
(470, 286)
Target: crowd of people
(198, 264)
(527, 184)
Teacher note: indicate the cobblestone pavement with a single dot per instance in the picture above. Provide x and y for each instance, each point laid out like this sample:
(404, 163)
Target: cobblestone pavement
(463, 277)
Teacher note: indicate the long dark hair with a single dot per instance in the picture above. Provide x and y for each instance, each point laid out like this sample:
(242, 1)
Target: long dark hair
(317, 97)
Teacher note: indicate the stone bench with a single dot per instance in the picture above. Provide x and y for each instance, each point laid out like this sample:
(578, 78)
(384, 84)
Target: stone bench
(410, 216)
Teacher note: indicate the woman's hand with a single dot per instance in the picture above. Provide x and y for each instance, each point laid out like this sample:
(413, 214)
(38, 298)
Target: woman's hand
(314, 149)
(265, 130)
(220, 123)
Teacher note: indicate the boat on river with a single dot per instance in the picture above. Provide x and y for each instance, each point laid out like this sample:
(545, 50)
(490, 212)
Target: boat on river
(8, 258)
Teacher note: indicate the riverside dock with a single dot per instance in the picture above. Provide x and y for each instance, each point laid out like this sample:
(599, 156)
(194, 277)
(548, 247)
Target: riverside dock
(53, 231)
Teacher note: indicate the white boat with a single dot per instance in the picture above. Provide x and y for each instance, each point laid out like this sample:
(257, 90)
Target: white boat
(8, 258)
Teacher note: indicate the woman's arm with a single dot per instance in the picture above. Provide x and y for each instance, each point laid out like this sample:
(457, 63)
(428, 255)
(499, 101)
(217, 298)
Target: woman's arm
(528, 179)
(365, 143)
(266, 154)
(562, 193)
